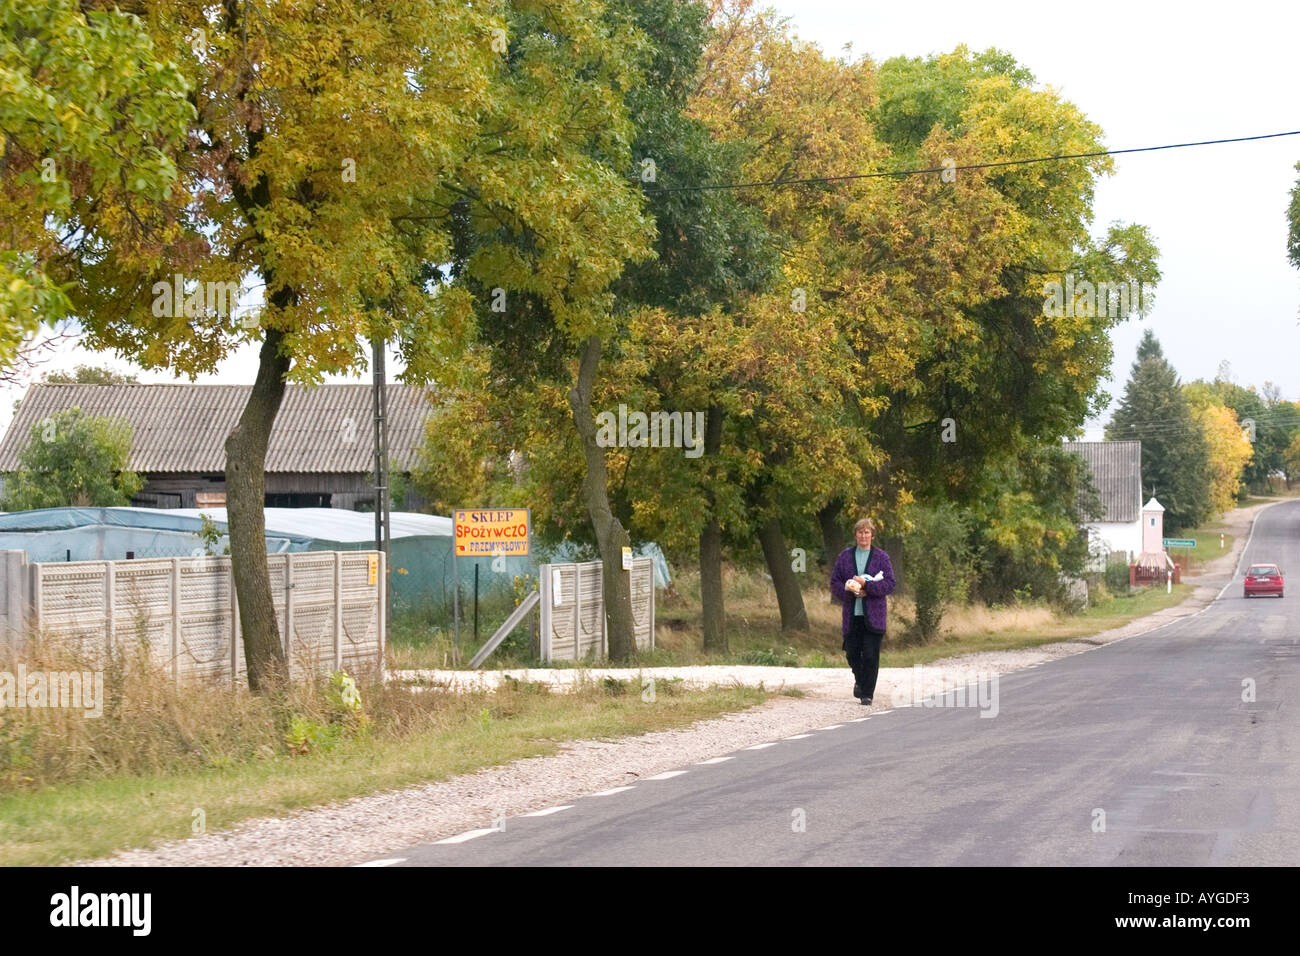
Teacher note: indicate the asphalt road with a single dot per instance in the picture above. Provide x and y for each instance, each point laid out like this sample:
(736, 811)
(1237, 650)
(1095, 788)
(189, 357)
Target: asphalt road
(1144, 752)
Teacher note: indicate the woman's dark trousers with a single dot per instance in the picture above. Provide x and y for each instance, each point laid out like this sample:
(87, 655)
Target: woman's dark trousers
(862, 647)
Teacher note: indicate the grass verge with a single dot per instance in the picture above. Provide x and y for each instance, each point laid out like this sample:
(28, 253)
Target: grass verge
(92, 818)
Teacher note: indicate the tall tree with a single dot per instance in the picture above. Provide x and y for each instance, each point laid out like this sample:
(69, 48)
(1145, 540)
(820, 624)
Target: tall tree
(1229, 451)
(996, 389)
(709, 251)
(333, 163)
(937, 282)
(1268, 425)
(836, 240)
(1291, 459)
(1175, 457)
(1010, 373)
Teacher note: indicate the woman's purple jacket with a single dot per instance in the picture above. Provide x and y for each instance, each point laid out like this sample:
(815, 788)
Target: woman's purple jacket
(874, 604)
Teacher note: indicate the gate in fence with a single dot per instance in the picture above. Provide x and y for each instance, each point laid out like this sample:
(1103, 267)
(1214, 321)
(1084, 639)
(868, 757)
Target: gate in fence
(328, 605)
(573, 623)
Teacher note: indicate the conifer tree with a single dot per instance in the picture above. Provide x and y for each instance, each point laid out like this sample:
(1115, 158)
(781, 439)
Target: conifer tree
(1175, 456)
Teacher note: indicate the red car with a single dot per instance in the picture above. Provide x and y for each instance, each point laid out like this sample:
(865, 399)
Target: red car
(1263, 579)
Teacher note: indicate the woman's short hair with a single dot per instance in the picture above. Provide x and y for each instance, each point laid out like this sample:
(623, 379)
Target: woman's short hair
(864, 523)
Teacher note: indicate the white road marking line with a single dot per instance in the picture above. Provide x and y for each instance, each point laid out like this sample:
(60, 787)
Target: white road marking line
(761, 746)
(548, 811)
(858, 720)
(606, 793)
(1187, 773)
(833, 727)
(666, 775)
(798, 737)
(882, 713)
(467, 835)
(389, 862)
(713, 760)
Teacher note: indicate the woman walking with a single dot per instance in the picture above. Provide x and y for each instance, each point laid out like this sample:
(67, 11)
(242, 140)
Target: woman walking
(862, 577)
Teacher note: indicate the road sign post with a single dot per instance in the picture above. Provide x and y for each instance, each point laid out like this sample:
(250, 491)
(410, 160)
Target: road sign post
(455, 586)
(486, 532)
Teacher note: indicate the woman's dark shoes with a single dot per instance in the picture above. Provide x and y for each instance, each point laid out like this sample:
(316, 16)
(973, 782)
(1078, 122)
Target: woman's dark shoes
(866, 701)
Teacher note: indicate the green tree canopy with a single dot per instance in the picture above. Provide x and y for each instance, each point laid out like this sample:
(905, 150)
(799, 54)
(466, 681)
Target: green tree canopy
(1007, 372)
(73, 459)
(90, 112)
(335, 156)
(709, 250)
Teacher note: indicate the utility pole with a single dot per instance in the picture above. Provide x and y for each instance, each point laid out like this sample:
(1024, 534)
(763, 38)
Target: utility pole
(382, 516)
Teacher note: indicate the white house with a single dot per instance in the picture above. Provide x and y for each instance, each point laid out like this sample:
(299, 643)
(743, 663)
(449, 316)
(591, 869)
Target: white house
(1117, 474)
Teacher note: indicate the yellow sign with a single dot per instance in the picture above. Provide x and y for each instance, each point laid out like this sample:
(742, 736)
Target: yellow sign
(374, 569)
(491, 531)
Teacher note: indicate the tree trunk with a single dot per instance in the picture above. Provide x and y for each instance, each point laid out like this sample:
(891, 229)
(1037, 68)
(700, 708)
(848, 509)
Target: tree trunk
(784, 580)
(712, 604)
(246, 500)
(711, 600)
(611, 537)
(828, 519)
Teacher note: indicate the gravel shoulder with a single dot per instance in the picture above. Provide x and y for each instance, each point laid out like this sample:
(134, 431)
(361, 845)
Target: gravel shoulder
(367, 828)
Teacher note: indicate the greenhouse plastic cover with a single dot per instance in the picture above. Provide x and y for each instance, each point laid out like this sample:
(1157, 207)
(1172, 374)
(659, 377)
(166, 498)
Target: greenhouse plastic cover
(419, 550)
(95, 534)
(330, 524)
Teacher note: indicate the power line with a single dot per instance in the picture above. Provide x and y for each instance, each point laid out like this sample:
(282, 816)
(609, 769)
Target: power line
(940, 169)
(1267, 417)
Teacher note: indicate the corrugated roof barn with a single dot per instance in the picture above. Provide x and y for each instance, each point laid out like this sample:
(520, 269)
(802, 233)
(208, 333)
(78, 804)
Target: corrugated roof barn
(321, 446)
(1117, 474)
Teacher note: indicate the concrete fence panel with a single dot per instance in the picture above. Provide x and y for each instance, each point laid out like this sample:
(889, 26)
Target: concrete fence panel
(572, 609)
(185, 612)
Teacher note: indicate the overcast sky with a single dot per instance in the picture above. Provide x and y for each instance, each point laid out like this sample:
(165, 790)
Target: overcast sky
(1148, 74)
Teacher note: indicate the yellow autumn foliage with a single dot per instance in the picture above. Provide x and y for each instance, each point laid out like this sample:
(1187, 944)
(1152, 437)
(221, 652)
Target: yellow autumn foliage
(1230, 452)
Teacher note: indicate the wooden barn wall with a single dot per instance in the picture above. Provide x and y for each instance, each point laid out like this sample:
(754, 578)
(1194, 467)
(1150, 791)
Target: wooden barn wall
(346, 491)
